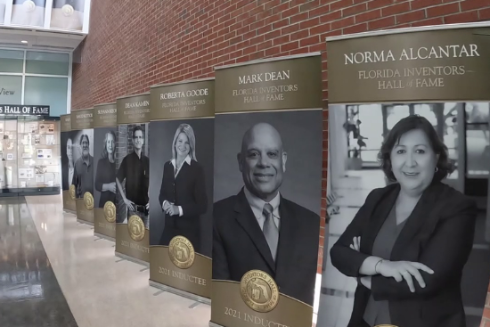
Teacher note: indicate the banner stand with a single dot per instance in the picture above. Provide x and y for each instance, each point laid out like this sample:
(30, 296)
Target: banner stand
(112, 239)
(129, 258)
(176, 291)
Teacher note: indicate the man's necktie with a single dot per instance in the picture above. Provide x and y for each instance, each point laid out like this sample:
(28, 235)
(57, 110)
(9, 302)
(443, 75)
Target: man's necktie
(270, 230)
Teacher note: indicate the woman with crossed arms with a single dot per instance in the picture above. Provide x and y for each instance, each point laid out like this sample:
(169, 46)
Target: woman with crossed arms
(409, 242)
(183, 191)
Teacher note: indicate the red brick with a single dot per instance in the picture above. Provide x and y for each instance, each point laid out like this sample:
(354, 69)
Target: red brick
(309, 41)
(309, 23)
(363, 27)
(290, 46)
(419, 4)
(464, 17)
(349, 11)
(343, 23)
(443, 10)
(300, 35)
(379, 3)
(409, 17)
(469, 5)
(322, 10)
(395, 9)
(298, 18)
(381, 23)
(290, 12)
(323, 28)
(429, 22)
(339, 4)
(367, 16)
(484, 14)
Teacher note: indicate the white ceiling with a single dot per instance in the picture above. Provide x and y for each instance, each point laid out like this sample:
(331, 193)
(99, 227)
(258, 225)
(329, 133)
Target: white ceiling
(39, 39)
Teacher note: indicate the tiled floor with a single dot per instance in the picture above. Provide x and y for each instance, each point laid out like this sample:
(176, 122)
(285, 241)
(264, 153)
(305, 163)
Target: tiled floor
(100, 291)
(337, 292)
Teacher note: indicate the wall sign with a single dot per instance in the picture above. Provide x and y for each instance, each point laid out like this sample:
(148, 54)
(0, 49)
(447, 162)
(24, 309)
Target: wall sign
(19, 110)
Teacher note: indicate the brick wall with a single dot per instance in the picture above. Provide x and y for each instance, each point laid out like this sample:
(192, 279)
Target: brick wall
(135, 44)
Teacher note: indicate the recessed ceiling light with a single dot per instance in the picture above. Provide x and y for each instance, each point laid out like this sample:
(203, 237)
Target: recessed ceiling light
(24, 41)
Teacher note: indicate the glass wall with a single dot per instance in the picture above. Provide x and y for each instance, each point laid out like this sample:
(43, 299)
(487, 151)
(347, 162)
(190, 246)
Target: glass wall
(35, 78)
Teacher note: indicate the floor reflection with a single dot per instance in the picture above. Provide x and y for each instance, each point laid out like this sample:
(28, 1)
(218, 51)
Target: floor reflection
(30, 295)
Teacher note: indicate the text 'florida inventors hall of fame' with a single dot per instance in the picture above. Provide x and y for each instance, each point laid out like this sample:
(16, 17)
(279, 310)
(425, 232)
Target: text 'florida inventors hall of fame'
(415, 76)
(265, 93)
(184, 105)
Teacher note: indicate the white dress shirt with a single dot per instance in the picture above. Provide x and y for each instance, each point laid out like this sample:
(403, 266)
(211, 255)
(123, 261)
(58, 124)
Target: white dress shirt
(176, 172)
(257, 206)
(71, 171)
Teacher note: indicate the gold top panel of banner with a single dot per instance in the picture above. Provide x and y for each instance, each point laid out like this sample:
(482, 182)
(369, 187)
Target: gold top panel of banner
(105, 115)
(292, 83)
(441, 65)
(82, 119)
(189, 99)
(133, 109)
(65, 123)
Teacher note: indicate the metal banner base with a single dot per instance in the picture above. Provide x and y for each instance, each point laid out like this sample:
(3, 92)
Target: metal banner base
(112, 239)
(185, 294)
(70, 211)
(85, 222)
(127, 257)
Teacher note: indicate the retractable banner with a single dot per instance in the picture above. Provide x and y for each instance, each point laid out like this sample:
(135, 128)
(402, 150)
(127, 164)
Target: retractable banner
(181, 187)
(68, 14)
(409, 161)
(105, 131)
(267, 192)
(82, 125)
(67, 165)
(133, 178)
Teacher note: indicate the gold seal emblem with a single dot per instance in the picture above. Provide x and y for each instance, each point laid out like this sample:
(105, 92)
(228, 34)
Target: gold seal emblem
(88, 199)
(181, 252)
(72, 191)
(29, 5)
(259, 291)
(136, 228)
(110, 211)
(67, 10)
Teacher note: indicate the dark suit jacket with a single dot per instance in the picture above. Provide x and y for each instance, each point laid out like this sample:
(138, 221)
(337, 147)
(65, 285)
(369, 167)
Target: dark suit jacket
(239, 246)
(438, 233)
(188, 190)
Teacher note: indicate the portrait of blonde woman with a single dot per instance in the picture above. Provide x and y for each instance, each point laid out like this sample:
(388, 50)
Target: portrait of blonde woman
(183, 197)
(410, 240)
(105, 178)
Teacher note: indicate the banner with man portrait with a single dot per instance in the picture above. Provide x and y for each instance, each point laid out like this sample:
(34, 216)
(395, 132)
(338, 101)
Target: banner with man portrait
(105, 131)
(181, 187)
(267, 192)
(67, 164)
(408, 170)
(133, 178)
(82, 185)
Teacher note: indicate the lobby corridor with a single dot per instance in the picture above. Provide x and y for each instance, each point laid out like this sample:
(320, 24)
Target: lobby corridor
(46, 256)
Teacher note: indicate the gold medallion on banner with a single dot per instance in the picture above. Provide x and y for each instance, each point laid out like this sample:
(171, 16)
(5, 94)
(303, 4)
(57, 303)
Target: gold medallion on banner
(88, 199)
(72, 191)
(259, 291)
(67, 10)
(181, 252)
(136, 228)
(110, 211)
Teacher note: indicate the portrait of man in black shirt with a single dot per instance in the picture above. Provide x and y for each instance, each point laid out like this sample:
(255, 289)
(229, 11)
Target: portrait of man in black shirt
(134, 171)
(82, 176)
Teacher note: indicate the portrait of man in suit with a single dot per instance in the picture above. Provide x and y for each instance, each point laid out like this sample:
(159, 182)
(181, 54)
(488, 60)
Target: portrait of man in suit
(260, 229)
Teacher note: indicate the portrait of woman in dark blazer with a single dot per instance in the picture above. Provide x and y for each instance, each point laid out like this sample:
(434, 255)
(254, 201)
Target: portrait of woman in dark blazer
(105, 177)
(183, 191)
(409, 242)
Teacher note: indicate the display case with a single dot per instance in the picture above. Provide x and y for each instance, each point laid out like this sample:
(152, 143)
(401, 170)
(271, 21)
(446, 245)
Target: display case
(30, 155)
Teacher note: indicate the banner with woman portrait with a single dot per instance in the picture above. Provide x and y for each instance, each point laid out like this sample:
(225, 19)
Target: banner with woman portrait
(267, 192)
(105, 131)
(181, 188)
(82, 125)
(133, 178)
(67, 164)
(408, 231)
